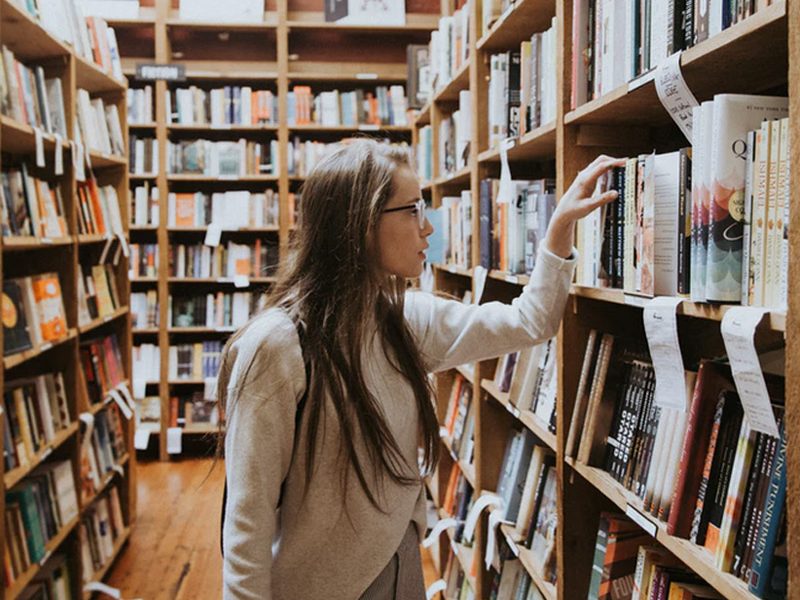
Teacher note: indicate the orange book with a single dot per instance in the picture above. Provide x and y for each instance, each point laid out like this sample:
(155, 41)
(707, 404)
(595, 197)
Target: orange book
(184, 210)
(450, 492)
(50, 306)
(94, 34)
(96, 207)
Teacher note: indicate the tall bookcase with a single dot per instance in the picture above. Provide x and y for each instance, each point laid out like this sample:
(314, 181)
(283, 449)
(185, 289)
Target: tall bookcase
(292, 46)
(23, 256)
(760, 54)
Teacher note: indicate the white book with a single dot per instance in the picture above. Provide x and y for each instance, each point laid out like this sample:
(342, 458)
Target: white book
(64, 480)
(666, 206)
(113, 50)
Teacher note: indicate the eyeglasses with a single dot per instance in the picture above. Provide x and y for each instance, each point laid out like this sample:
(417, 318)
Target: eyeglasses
(418, 206)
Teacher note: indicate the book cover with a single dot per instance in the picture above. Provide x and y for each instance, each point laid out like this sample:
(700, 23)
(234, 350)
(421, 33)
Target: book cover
(49, 306)
(16, 336)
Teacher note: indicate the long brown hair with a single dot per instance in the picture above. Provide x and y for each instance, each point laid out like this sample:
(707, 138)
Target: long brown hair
(331, 285)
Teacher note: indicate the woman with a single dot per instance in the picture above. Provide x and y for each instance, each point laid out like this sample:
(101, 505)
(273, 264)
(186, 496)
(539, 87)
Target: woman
(326, 394)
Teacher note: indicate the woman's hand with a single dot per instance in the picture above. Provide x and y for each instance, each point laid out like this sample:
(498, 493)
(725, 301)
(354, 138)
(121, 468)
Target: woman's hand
(577, 202)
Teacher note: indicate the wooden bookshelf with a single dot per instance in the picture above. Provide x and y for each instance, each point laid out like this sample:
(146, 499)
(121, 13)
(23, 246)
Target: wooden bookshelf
(22, 256)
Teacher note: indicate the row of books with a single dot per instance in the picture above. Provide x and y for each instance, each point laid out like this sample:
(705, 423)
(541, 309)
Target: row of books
(99, 123)
(512, 581)
(52, 580)
(229, 210)
(103, 452)
(90, 37)
(614, 41)
(458, 500)
(98, 295)
(512, 231)
(100, 528)
(459, 422)
(229, 105)
(192, 409)
(221, 309)
(36, 410)
(144, 309)
(36, 510)
(142, 155)
(455, 132)
(194, 361)
(222, 158)
(148, 413)
(143, 260)
(145, 205)
(451, 240)
(98, 209)
(139, 102)
(34, 312)
(448, 48)
(522, 87)
(147, 362)
(530, 377)
(102, 366)
(459, 585)
(30, 97)
(224, 261)
(31, 206)
(387, 105)
(704, 473)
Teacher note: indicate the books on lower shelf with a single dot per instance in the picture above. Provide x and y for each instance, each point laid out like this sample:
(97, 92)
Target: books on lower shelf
(36, 411)
(304, 155)
(100, 528)
(52, 580)
(423, 153)
(459, 582)
(30, 97)
(387, 105)
(31, 206)
(102, 366)
(449, 48)
(455, 132)
(222, 158)
(145, 205)
(193, 410)
(33, 310)
(144, 309)
(98, 209)
(511, 233)
(512, 581)
(99, 123)
(704, 473)
(196, 361)
(218, 310)
(146, 362)
(148, 413)
(140, 105)
(459, 496)
(451, 240)
(36, 510)
(230, 210)
(143, 260)
(229, 105)
(224, 261)
(98, 295)
(102, 452)
(142, 155)
(460, 420)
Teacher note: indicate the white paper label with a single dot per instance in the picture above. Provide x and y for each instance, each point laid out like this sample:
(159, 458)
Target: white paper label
(440, 527)
(96, 586)
(366, 75)
(123, 406)
(126, 393)
(78, 163)
(479, 273)
(241, 281)
(213, 234)
(495, 518)
(440, 585)
(661, 328)
(485, 501)
(642, 521)
(139, 386)
(210, 388)
(505, 192)
(58, 156)
(368, 127)
(141, 439)
(738, 332)
(174, 439)
(675, 95)
(39, 136)
(106, 249)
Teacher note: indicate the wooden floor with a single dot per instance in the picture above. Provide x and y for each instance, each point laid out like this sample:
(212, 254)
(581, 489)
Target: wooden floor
(173, 552)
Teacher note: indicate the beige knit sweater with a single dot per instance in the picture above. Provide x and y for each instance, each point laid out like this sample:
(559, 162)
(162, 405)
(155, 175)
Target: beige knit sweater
(321, 551)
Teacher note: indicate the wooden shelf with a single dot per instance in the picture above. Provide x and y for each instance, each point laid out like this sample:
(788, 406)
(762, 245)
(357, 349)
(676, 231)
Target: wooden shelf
(19, 138)
(181, 178)
(775, 320)
(699, 559)
(224, 128)
(454, 269)
(449, 92)
(515, 279)
(415, 22)
(208, 330)
(364, 73)
(423, 116)
(143, 228)
(269, 23)
(14, 476)
(93, 238)
(26, 38)
(315, 128)
(526, 558)
(99, 575)
(17, 244)
(517, 24)
(749, 56)
(25, 578)
(526, 417)
(99, 322)
(136, 280)
(200, 429)
(14, 360)
(146, 331)
(537, 144)
(466, 468)
(142, 176)
(92, 78)
(105, 483)
(460, 177)
(101, 161)
(152, 125)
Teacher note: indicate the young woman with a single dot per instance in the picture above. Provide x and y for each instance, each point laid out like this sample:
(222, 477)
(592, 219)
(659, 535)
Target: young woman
(326, 392)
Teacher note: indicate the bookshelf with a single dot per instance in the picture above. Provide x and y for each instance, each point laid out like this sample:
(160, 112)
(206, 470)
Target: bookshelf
(24, 256)
(292, 46)
(760, 54)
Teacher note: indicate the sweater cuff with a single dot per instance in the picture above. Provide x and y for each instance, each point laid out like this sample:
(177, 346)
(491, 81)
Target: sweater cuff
(556, 262)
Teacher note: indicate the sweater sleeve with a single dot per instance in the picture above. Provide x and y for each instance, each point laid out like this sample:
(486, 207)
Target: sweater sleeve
(451, 333)
(267, 382)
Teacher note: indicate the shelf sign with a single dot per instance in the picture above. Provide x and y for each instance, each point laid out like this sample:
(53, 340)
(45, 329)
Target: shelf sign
(160, 72)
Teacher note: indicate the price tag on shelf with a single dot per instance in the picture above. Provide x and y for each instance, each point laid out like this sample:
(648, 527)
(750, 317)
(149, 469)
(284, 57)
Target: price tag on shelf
(213, 234)
(241, 281)
(738, 333)
(440, 585)
(141, 439)
(39, 136)
(440, 527)
(139, 387)
(479, 274)
(505, 191)
(58, 156)
(174, 440)
(368, 127)
(366, 75)
(675, 95)
(641, 520)
(661, 329)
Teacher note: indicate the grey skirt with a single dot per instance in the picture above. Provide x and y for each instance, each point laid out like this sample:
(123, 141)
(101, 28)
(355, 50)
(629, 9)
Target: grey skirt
(402, 578)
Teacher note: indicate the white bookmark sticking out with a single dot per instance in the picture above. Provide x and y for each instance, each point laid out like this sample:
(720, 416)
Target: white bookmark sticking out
(141, 439)
(174, 440)
(39, 136)
(213, 234)
(675, 95)
(738, 332)
(661, 329)
(479, 273)
(97, 586)
(441, 526)
(139, 387)
(126, 393)
(58, 158)
(123, 406)
(485, 501)
(437, 586)
(495, 518)
(505, 191)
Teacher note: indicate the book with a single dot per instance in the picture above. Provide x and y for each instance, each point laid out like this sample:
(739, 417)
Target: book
(16, 334)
